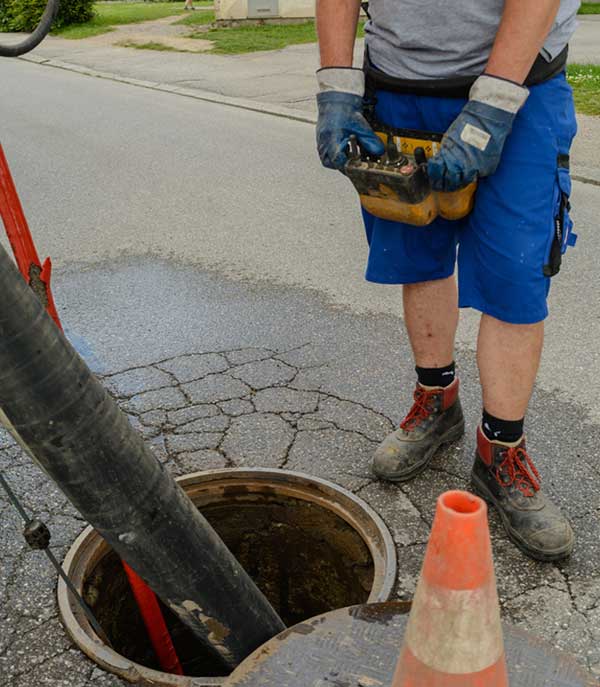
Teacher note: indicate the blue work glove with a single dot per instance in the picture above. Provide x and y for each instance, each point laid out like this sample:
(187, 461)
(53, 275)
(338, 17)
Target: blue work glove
(340, 102)
(472, 146)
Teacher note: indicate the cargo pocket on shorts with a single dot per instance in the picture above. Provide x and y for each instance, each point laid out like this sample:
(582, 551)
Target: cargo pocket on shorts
(562, 234)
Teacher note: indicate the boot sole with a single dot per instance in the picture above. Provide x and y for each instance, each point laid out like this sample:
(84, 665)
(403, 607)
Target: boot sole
(545, 556)
(452, 435)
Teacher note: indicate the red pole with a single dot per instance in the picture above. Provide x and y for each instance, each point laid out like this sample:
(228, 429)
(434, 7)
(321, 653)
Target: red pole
(154, 622)
(38, 277)
(17, 230)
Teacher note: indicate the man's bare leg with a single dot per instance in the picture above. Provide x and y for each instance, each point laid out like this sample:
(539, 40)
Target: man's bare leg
(508, 356)
(431, 317)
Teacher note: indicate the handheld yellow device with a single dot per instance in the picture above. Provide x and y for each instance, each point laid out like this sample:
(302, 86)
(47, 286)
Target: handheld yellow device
(396, 185)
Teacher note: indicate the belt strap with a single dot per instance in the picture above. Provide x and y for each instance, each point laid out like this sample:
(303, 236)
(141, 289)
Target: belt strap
(458, 87)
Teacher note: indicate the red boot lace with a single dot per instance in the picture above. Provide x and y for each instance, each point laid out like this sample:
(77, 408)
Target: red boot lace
(517, 469)
(420, 411)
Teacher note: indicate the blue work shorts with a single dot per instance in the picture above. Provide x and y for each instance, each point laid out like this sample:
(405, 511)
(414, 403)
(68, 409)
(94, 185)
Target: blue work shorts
(505, 244)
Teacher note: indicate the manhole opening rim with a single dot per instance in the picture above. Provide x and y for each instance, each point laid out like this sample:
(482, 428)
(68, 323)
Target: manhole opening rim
(346, 505)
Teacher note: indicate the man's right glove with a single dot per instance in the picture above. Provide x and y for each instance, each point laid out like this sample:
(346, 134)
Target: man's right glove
(340, 103)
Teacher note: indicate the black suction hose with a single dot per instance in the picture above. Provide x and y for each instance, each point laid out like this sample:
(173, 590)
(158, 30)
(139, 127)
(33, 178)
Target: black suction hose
(74, 430)
(35, 38)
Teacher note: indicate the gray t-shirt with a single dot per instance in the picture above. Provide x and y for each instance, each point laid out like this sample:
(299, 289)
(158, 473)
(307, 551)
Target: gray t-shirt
(438, 39)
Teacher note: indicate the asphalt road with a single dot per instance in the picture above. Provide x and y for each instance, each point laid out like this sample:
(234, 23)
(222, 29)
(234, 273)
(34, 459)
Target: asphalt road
(180, 227)
(107, 171)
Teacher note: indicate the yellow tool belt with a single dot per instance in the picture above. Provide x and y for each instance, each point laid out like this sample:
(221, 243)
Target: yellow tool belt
(396, 186)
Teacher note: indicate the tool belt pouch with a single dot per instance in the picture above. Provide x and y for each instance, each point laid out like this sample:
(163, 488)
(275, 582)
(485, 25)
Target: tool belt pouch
(399, 190)
(396, 186)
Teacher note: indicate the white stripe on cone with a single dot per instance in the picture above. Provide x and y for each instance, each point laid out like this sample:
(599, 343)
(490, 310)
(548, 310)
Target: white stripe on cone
(455, 632)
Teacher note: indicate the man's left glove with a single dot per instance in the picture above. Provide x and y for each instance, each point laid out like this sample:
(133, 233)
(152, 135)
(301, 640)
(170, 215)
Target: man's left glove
(472, 146)
(340, 102)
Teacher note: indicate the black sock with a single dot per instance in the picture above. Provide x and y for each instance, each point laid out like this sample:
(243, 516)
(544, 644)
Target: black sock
(436, 376)
(507, 431)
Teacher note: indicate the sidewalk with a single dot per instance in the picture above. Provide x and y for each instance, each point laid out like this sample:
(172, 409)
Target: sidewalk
(281, 82)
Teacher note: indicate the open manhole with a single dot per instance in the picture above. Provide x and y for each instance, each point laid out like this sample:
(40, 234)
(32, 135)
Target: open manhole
(309, 545)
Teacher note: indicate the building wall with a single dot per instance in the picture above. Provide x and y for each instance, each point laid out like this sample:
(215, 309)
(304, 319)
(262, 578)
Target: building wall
(286, 9)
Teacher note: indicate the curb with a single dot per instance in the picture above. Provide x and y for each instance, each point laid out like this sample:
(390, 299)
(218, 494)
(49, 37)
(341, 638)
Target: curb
(584, 179)
(229, 101)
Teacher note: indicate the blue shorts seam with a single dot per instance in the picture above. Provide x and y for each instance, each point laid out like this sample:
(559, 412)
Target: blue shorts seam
(502, 316)
(399, 281)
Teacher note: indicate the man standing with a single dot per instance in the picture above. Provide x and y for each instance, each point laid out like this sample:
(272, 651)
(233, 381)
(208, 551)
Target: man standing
(490, 75)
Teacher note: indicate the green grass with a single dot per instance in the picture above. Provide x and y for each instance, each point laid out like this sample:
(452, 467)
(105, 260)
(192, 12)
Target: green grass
(108, 15)
(585, 81)
(589, 8)
(242, 39)
(87, 30)
(197, 18)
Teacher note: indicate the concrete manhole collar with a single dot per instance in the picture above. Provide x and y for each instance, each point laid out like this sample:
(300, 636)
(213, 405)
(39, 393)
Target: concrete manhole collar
(310, 545)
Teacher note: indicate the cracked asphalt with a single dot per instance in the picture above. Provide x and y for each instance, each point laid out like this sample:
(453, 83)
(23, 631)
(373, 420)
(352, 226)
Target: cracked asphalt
(223, 304)
(303, 386)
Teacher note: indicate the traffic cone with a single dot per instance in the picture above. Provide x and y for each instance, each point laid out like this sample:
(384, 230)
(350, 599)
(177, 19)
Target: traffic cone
(454, 635)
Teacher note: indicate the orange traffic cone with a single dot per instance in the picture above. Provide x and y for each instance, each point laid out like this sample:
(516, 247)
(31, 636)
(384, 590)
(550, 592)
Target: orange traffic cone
(454, 635)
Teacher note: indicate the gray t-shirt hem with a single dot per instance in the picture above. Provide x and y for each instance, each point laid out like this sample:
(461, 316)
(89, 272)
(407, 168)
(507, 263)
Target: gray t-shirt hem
(432, 39)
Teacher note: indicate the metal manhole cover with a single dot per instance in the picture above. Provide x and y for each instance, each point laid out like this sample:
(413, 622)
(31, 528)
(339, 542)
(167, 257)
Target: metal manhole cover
(359, 647)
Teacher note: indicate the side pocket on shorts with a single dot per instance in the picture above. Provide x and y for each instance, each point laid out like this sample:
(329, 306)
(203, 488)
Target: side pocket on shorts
(563, 235)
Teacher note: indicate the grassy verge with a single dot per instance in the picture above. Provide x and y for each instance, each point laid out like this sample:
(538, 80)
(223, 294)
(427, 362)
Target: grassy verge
(108, 15)
(197, 18)
(585, 81)
(87, 30)
(589, 8)
(242, 39)
(227, 41)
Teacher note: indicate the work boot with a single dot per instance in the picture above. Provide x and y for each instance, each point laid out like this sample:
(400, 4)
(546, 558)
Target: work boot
(436, 418)
(505, 476)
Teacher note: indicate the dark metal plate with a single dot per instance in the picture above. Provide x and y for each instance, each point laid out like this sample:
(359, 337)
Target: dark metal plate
(359, 647)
